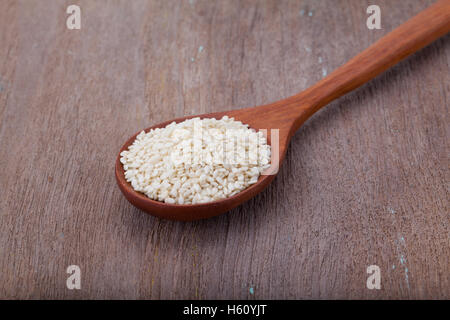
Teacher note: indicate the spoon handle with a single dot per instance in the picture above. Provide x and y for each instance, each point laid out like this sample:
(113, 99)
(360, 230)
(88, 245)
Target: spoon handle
(408, 38)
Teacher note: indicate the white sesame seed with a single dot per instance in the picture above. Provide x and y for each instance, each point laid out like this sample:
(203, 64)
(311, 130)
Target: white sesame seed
(196, 161)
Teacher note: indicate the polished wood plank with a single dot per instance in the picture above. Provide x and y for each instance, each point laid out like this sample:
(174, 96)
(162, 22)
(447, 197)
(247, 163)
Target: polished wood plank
(364, 181)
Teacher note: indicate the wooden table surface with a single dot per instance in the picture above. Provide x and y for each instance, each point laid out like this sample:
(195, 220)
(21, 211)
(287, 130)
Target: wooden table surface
(365, 181)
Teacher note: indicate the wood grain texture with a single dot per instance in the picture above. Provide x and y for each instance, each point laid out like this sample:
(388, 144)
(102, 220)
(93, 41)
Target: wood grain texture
(365, 181)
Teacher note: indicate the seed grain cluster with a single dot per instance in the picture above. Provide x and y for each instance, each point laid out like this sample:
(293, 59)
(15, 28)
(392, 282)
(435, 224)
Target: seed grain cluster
(196, 161)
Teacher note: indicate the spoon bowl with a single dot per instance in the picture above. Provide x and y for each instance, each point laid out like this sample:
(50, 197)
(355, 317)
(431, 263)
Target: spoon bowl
(188, 212)
(287, 115)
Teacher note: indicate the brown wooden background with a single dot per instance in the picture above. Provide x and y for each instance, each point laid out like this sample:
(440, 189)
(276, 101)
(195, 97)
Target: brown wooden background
(365, 181)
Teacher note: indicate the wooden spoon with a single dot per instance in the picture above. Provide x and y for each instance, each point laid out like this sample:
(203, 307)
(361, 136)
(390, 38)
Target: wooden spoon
(289, 114)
